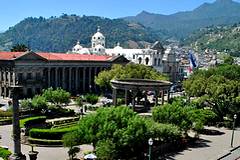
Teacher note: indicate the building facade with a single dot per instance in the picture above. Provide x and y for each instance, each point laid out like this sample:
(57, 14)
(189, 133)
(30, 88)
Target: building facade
(36, 71)
(154, 55)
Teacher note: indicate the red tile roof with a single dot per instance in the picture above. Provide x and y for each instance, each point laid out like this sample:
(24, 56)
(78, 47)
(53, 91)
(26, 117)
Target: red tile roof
(57, 56)
(75, 57)
(10, 55)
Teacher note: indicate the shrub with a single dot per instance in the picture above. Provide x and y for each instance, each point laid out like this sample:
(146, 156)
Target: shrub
(91, 98)
(53, 134)
(5, 113)
(32, 121)
(4, 153)
(45, 141)
(5, 121)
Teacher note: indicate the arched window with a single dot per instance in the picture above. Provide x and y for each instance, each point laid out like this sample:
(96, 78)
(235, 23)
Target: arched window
(159, 62)
(155, 61)
(147, 60)
(139, 60)
(98, 37)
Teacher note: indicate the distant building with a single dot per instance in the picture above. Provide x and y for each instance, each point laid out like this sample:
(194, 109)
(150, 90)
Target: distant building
(154, 56)
(36, 71)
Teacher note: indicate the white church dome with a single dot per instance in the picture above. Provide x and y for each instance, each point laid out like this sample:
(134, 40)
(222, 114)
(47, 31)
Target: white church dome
(118, 47)
(77, 47)
(98, 35)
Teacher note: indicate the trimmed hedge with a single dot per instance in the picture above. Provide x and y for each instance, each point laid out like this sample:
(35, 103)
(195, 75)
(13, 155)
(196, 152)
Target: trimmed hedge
(50, 134)
(6, 113)
(45, 141)
(31, 121)
(4, 153)
(5, 121)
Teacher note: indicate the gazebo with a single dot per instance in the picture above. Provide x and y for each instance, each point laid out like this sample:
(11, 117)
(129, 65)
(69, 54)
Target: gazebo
(134, 86)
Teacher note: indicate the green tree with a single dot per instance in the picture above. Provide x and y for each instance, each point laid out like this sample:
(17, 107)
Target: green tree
(219, 87)
(19, 48)
(39, 103)
(229, 60)
(79, 103)
(57, 97)
(119, 133)
(70, 141)
(137, 71)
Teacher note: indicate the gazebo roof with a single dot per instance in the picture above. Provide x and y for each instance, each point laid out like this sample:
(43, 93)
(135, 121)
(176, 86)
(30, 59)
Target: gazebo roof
(141, 84)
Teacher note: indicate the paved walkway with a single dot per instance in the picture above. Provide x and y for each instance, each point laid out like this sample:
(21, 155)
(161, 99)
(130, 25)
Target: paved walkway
(45, 153)
(209, 147)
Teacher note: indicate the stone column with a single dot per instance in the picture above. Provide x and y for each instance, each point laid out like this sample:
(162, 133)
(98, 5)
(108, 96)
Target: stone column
(77, 79)
(1, 82)
(4, 83)
(17, 155)
(84, 79)
(126, 97)
(9, 77)
(49, 77)
(63, 78)
(95, 74)
(162, 97)
(56, 77)
(90, 79)
(114, 97)
(14, 78)
(168, 95)
(156, 97)
(70, 79)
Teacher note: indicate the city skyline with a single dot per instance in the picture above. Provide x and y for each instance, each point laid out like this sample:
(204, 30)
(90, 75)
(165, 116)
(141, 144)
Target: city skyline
(14, 11)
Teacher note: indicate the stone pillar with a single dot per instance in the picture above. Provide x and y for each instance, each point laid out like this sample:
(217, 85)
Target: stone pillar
(14, 77)
(90, 79)
(17, 155)
(63, 78)
(162, 97)
(95, 74)
(84, 79)
(156, 98)
(1, 82)
(77, 80)
(9, 77)
(56, 77)
(126, 97)
(49, 77)
(114, 97)
(168, 95)
(4, 83)
(70, 79)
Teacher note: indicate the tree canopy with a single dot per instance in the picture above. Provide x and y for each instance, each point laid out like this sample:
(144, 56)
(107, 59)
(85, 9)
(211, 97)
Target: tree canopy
(118, 132)
(19, 48)
(58, 96)
(130, 70)
(219, 87)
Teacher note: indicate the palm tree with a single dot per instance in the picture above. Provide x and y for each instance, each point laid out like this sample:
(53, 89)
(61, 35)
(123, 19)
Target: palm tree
(19, 48)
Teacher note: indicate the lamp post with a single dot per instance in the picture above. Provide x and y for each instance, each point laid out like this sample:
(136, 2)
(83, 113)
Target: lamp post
(150, 143)
(234, 119)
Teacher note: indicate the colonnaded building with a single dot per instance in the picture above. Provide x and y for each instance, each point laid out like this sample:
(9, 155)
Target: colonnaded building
(36, 71)
(164, 61)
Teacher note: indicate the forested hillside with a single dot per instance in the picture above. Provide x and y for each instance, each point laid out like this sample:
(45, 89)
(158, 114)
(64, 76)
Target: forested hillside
(59, 34)
(221, 38)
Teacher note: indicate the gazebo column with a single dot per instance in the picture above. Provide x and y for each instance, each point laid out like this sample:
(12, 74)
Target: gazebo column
(156, 97)
(134, 95)
(168, 95)
(145, 101)
(162, 97)
(126, 97)
(115, 97)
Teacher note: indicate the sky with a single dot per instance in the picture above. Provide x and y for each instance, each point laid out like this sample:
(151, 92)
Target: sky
(13, 11)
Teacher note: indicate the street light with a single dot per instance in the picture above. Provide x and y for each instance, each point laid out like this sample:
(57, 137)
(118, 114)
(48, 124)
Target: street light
(150, 142)
(234, 119)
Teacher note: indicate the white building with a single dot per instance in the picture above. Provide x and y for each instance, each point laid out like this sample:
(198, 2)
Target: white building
(155, 55)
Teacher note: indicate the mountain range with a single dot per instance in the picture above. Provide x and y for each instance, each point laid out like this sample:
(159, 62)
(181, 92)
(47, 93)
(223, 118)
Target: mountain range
(181, 24)
(59, 34)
